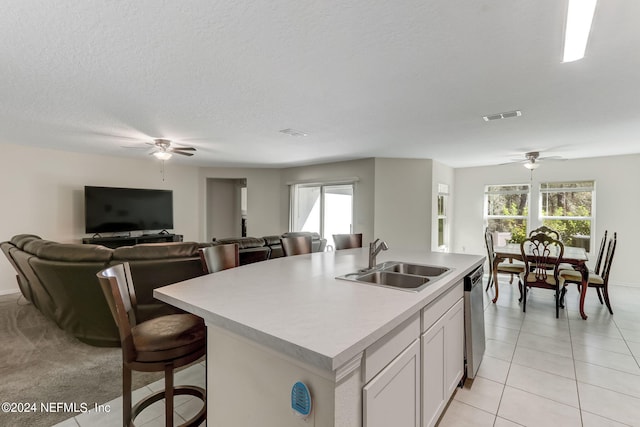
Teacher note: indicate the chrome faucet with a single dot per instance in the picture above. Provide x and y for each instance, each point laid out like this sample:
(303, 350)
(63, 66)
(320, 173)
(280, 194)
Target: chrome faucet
(375, 250)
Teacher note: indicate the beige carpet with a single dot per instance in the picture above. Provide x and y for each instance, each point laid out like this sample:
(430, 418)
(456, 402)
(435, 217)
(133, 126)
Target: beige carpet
(40, 363)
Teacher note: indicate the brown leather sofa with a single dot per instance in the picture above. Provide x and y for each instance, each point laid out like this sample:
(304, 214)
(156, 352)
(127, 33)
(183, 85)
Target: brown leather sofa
(60, 280)
(254, 249)
(250, 249)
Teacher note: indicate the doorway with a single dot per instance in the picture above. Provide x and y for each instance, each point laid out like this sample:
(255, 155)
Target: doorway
(226, 208)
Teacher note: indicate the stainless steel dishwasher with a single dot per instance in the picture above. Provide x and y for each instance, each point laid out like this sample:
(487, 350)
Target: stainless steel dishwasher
(473, 321)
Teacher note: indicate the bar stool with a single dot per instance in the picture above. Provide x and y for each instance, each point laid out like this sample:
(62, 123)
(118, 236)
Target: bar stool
(160, 344)
(296, 245)
(347, 241)
(219, 257)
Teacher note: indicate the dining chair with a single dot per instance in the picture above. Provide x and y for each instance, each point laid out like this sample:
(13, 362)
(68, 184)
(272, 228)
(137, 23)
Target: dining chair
(541, 254)
(160, 344)
(596, 280)
(603, 243)
(297, 245)
(546, 230)
(219, 257)
(347, 241)
(511, 267)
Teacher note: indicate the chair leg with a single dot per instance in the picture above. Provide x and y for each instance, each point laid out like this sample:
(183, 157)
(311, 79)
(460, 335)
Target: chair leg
(557, 303)
(524, 298)
(599, 295)
(563, 292)
(520, 289)
(605, 291)
(168, 395)
(126, 395)
(489, 282)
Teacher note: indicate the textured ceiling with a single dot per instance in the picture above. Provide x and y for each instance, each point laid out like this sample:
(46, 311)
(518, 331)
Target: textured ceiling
(363, 78)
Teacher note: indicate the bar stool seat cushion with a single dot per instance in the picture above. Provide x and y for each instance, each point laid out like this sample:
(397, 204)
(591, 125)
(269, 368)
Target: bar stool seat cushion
(168, 337)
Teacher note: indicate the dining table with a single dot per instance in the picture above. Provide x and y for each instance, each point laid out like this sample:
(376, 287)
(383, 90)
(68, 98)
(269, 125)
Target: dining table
(575, 256)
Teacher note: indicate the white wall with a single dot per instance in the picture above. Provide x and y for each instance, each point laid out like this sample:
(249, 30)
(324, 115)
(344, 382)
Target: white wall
(42, 192)
(363, 192)
(617, 202)
(403, 202)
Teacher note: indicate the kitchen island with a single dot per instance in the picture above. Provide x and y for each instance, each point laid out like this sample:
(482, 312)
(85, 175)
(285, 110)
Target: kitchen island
(357, 346)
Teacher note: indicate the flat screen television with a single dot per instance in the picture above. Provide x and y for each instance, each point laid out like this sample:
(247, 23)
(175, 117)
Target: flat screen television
(111, 209)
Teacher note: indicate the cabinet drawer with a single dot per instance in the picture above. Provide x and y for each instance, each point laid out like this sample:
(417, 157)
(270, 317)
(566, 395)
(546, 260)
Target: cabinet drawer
(432, 312)
(382, 352)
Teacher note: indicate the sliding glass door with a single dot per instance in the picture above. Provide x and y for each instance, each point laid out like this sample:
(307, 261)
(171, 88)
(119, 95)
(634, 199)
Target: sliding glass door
(326, 209)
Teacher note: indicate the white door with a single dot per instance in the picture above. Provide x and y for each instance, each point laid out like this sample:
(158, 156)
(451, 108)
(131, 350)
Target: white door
(392, 398)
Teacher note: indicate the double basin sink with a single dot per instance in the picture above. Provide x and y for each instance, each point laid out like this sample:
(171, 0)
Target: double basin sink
(399, 275)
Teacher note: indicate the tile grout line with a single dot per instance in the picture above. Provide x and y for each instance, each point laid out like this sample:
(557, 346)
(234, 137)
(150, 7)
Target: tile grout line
(504, 387)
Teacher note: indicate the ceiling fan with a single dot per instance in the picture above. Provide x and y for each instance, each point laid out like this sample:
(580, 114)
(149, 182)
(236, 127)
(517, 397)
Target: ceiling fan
(532, 159)
(164, 150)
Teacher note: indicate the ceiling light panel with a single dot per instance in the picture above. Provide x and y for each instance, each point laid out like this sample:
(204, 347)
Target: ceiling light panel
(577, 29)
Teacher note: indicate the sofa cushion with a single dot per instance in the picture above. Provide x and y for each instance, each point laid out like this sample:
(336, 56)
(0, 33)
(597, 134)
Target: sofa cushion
(243, 242)
(157, 251)
(74, 252)
(20, 240)
(272, 240)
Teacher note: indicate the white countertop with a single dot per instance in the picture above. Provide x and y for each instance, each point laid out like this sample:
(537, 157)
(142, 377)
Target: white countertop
(296, 306)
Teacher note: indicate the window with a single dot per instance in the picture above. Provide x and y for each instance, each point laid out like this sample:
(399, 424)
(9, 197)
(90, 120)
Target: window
(506, 212)
(326, 209)
(568, 208)
(443, 224)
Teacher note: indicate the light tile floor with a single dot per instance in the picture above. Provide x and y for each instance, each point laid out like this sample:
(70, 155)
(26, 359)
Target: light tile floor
(543, 371)
(537, 370)
(153, 416)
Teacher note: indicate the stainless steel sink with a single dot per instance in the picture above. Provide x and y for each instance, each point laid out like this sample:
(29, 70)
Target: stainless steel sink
(395, 280)
(399, 275)
(418, 269)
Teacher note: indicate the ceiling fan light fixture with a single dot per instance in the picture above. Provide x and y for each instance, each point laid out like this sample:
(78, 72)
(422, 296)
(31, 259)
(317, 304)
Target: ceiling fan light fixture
(531, 165)
(577, 28)
(162, 155)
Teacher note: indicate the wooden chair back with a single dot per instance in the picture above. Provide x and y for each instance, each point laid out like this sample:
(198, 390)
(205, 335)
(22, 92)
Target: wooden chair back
(541, 254)
(545, 230)
(347, 241)
(219, 257)
(117, 286)
(488, 243)
(603, 243)
(611, 249)
(297, 245)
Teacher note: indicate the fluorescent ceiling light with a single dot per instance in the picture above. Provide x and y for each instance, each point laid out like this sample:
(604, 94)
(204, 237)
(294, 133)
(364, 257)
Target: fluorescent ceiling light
(579, 19)
(162, 155)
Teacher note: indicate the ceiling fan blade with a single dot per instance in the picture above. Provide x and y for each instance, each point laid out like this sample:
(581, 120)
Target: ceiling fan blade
(552, 158)
(183, 148)
(182, 154)
(134, 147)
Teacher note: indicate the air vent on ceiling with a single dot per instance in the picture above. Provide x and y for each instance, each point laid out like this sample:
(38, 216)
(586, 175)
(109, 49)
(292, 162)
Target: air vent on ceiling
(293, 132)
(507, 115)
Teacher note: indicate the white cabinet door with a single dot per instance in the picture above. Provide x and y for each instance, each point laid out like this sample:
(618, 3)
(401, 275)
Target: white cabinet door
(433, 384)
(392, 398)
(454, 347)
(442, 362)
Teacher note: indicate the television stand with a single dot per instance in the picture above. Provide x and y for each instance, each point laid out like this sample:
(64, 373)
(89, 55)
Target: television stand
(117, 241)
